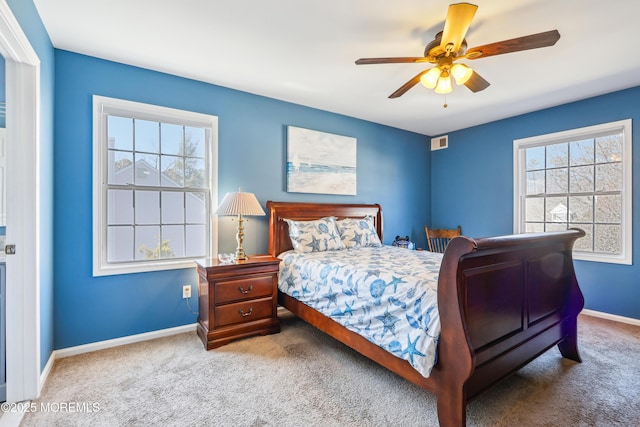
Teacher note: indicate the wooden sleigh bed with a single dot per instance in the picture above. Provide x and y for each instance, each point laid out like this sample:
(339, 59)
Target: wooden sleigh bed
(503, 301)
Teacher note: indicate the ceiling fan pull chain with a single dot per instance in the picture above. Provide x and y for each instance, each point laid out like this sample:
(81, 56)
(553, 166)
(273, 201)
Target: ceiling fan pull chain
(445, 105)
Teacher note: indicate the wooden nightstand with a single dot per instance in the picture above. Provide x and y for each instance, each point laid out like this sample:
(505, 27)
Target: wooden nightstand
(237, 300)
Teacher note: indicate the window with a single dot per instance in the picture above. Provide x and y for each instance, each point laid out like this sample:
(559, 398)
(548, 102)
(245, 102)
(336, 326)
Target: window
(154, 179)
(578, 179)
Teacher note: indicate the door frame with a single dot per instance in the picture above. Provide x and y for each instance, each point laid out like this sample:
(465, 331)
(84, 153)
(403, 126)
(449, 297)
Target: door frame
(23, 213)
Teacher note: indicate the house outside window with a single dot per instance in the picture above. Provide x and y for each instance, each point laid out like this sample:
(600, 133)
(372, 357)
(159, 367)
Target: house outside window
(154, 179)
(578, 179)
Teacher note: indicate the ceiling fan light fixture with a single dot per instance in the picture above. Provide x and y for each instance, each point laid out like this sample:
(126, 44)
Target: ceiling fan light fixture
(430, 78)
(461, 73)
(450, 45)
(444, 83)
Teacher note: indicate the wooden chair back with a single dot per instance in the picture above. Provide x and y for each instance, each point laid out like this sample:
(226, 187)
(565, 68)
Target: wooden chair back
(437, 240)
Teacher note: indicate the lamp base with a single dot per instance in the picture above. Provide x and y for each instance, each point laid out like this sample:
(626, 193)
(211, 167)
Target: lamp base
(240, 255)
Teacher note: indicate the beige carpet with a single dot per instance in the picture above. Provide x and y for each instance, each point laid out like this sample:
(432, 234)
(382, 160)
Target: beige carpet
(301, 377)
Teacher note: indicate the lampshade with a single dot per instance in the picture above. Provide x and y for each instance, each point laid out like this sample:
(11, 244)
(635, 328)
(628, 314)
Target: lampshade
(240, 204)
(461, 73)
(430, 78)
(444, 83)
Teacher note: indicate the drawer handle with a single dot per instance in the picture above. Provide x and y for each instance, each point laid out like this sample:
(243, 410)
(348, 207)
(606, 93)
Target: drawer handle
(248, 313)
(243, 291)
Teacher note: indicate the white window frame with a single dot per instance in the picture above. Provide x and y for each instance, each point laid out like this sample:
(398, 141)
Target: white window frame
(102, 108)
(519, 188)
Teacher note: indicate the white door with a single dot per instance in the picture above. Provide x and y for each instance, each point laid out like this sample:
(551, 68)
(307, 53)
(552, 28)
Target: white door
(3, 293)
(23, 230)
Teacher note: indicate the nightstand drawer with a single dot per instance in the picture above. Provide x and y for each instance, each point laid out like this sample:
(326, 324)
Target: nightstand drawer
(245, 311)
(238, 290)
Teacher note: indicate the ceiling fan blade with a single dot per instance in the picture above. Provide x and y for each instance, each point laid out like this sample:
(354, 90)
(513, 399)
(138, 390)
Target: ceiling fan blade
(408, 85)
(459, 19)
(534, 41)
(399, 60)
(476, 83)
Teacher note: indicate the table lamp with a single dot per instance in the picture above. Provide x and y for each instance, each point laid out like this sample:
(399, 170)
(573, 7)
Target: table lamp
(241, 204)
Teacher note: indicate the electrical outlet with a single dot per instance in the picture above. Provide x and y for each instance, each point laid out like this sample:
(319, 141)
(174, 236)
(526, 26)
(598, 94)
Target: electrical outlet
(186, 291)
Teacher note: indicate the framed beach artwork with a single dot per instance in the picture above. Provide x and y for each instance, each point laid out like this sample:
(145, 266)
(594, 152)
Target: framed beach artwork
(320, 162)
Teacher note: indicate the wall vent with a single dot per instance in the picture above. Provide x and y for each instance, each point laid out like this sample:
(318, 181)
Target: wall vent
(439, 143)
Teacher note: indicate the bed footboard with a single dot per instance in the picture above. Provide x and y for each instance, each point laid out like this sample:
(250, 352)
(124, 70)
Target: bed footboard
(503, 301)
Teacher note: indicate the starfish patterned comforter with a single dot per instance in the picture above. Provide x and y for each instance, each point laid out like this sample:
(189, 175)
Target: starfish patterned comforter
(386, 294)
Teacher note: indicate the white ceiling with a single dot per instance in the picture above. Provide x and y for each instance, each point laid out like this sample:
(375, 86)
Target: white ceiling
(303, 51)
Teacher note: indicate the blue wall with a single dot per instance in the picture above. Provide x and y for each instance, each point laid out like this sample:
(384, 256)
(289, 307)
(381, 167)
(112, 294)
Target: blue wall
(29, 20)
(251, 146)
(472, 185)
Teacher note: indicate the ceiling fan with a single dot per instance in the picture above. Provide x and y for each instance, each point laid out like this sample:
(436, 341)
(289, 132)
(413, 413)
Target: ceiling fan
(450, 46)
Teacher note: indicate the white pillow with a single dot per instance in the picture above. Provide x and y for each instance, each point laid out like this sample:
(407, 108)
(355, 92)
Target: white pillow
(315, 236)
(356, 232)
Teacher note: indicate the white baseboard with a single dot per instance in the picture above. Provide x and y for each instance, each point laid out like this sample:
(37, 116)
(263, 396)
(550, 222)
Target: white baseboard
(87, 348)
(614, 317)
(101, 345)
(46, 371)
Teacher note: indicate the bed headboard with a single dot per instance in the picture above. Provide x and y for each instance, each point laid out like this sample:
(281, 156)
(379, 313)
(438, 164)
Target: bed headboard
(279, 240)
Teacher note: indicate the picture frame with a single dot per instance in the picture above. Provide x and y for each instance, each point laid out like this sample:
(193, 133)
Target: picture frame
(320, 162)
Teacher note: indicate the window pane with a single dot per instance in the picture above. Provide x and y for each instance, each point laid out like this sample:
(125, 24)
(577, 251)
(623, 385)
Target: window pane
(608, 209)
(609, 148)
(534, 158)
(172, 171)
(581, 179)
(172, 207)
(147, 242)
(607, 239)
(147, 136)
(119, 207)
(173, 241)
(557, 181)
(197, 240)
(171, 139)
(557, 155)
(534, 227)
(196, 208)
(556, 210)
(195, 173)
(119, 167)
(584, 243)
(581, 209)
(147, 172)
(119, 244)
(609, 177)
(195, 139)
(534, 209)
(147, 207)
(120, 133)
(556, 227)
(535, 182)
(581, 152)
